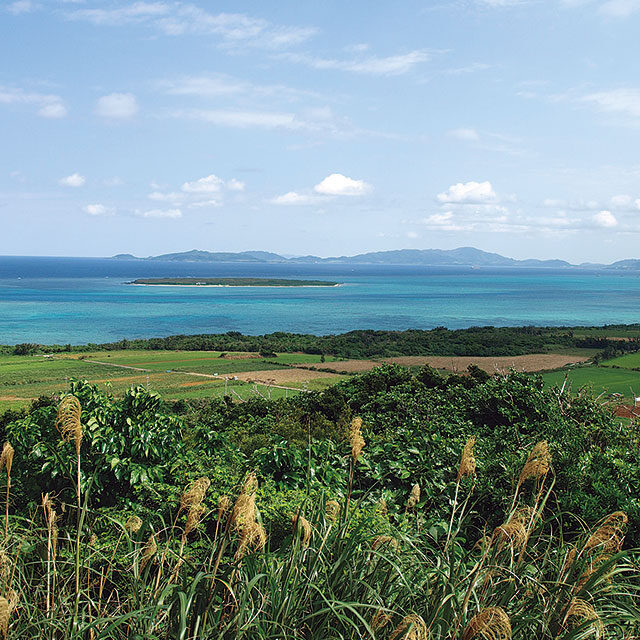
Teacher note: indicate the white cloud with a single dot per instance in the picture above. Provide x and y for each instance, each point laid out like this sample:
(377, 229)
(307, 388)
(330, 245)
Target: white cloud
(53, 110)
(243, 119)
(181, 18)
(621, 202)
(160, 213)
(165, 197)
(74, 180)
(465, 134)
(21, 6)
(442, 221)
(97, 210)
(338, 185)
(209, 184)
(205, 203)
(619, 8)
(236, 185)
(49, 105)
(469, 193)
(412, 235)
(292, 198)
(553, 202)
(117, 106)
(623, 101)
(605, 219)
(372, 65)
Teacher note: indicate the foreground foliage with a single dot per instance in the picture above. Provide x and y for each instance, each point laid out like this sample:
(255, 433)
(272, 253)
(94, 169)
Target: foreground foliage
(461, 507)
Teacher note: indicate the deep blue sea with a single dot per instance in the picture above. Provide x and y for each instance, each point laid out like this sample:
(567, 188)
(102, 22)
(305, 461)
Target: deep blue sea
(80, 300)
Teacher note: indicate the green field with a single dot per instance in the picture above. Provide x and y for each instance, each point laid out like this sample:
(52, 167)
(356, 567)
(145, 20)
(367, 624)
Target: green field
(600, 379)
(173, 374)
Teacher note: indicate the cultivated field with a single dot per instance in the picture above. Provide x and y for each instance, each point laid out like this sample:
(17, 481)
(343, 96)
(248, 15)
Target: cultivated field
(173, 374)
(493, 364)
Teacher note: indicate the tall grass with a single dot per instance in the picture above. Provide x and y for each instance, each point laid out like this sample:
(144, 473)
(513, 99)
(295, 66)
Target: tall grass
(213, 573)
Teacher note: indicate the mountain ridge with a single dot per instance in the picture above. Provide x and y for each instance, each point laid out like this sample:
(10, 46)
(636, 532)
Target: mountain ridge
(462, 256)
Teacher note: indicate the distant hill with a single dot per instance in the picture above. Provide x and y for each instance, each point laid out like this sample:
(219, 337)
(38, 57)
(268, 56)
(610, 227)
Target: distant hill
(463, 256)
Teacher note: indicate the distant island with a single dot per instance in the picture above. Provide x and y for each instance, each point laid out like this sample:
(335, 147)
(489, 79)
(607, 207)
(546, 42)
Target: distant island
(233, 282)
(462, 257)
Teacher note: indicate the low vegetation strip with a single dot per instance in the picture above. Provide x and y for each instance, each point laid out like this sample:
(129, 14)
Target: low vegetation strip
(234, 282)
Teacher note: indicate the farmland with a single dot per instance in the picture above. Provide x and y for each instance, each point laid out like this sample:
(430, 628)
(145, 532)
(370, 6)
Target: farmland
(174, 374)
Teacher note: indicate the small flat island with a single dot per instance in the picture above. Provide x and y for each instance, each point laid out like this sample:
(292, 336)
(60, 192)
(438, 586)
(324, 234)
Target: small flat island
(233, 282)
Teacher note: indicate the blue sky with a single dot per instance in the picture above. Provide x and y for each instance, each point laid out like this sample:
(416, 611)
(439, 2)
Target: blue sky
(320, 127)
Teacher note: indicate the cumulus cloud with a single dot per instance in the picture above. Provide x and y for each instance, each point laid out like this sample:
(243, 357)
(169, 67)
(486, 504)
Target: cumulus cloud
(469, 193)
(117, 106)
(209, 184)
(292, 198)
(160, 213)
(605, 219)
(97, 210)
(336, 184)
(74, 180)
(236, 185)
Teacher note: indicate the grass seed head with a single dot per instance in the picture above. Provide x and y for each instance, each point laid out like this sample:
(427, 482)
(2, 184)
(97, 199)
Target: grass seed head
(332, 511)
(193, 518)
(253, 536)
(149, 551)
(302, 525)
(490, 624)
(467, 461)
(224, 503)
(133, 524)
(244, 511)
(68, 421)
(414, 497)
(356, 439)
(384, 541)
(6, 457)
(583, 612)
(4, 616)
(411, 627)
(379, 620)
(250, 485)
(513, 532)
(194, 495)
(609, 536)
(538, 463)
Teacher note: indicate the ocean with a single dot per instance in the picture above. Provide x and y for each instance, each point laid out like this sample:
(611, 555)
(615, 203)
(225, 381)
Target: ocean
(81, 300)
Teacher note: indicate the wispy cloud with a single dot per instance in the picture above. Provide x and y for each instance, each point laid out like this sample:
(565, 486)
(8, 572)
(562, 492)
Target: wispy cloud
(180, 18)
(47, 105)
(369, 65)
(117, 106)
(623, 101)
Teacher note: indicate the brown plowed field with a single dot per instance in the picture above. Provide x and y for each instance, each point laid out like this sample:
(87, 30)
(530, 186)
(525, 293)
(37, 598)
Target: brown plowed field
(492, 364)
(279, 376)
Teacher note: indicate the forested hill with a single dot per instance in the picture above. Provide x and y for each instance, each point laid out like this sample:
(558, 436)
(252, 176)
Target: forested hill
(463, 256)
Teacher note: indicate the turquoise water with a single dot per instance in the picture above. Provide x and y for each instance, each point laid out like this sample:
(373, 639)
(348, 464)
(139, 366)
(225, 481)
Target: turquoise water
(80, 300)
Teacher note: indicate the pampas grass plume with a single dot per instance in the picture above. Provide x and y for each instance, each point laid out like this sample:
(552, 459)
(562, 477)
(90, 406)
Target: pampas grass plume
(489, 624)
